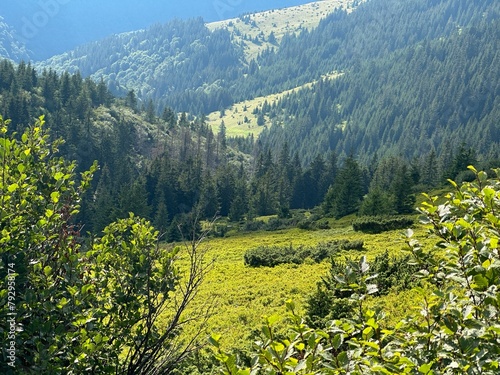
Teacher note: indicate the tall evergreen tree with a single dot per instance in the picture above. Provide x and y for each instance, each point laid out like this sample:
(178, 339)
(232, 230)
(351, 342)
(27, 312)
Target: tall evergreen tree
(344, 196)
(209, 203)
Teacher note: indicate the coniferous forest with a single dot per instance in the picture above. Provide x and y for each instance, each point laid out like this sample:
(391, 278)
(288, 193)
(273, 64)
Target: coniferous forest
(176, 166)
(390, 100)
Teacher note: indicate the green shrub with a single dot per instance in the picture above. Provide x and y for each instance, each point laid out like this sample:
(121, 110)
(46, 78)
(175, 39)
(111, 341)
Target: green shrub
(253, 225)
(331, 300)
(75, 307)
(379, 224)
(270, 256)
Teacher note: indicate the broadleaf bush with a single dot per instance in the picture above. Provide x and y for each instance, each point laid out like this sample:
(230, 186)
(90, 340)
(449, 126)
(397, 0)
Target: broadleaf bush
(78, 305)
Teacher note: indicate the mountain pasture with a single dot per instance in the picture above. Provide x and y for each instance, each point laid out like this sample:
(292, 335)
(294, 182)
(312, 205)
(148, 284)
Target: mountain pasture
(243, 295)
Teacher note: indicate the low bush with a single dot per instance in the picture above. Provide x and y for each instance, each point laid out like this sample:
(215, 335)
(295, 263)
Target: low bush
(332, 301)
(379, 224)
(270, 256)
(253, 225)
(298, 220)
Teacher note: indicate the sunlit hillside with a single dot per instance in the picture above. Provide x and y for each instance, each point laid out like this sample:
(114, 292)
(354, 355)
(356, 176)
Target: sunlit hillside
(254, 31)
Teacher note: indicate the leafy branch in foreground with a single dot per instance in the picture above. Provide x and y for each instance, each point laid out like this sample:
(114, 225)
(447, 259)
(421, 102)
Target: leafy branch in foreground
(458, 329)
(114, 305)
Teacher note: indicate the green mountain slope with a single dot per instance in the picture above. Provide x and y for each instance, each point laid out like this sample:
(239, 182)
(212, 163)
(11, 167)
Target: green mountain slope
(188, 65)
(164, 61)
(408, 68)
(433, 96)
(259, 31)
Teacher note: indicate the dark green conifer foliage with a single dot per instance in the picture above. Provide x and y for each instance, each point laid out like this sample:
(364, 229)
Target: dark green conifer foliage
(377, 203)
(104, 201)
(161, 220)
(133, 198)
(131, 100)
(209, 204)
(344, 196)
(150, 112)
(169, 117)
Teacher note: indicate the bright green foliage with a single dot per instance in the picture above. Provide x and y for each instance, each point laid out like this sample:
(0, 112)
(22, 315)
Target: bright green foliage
(332, 300)
(39, 195)
(76, 308)
(458, 326)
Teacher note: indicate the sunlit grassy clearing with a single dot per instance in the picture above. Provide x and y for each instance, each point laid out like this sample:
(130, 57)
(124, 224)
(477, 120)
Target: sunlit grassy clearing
(280, 22)
(234, 117)
(243, 295)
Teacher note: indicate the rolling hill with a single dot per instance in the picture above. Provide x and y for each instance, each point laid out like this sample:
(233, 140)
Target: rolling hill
(186, 64)
(381, 105)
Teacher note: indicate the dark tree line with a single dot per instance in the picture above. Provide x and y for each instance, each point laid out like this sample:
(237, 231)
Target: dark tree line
(175, 168)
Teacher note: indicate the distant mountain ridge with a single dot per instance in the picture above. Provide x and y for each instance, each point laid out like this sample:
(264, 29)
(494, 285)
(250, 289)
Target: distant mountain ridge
(10, 46)
(412, 74)
(51, 27)
(186, 64)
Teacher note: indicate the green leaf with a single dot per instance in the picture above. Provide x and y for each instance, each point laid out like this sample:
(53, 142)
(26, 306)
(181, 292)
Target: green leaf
(425, 368)
(266, 331)
(214, 340)
(494, 242)
(273, 319)
(451, 324)
(58, 176)
(343, 359)
(300, 346)
(63, 302)
(277, 346)
(12, 188)
(337, 340)
(481, 282)
(372, 323)
(55, 196)
(47, 271)
(368, 332)
(87, 288)
(98, 338)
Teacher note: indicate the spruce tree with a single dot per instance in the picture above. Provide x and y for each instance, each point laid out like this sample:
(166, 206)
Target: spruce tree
(344, 196)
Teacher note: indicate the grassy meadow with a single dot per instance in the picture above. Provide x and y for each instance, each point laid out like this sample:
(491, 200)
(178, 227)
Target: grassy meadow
(259, 26)
(240, 120)
(243, 295)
